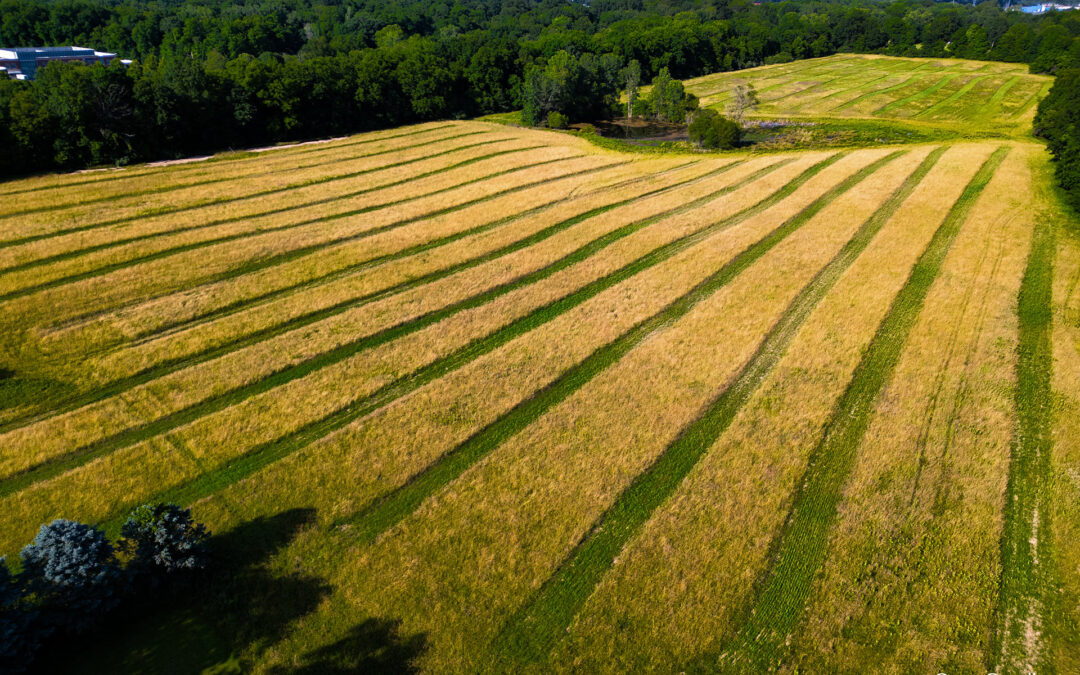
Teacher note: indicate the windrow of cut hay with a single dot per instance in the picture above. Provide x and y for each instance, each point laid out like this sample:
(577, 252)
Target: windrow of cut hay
(91, 211)
(798, 549)
(707, 543)
(297, 398)
(64, 188)
(232, 365)
(539, 491)
(223, 255)
(920, 520)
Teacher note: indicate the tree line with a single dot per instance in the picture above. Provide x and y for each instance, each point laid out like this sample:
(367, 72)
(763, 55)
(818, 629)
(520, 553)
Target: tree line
(212, 75)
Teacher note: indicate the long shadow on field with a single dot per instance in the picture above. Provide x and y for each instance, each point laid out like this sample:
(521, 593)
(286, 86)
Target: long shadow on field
(238, 606)
(21, 389)
(374, 646)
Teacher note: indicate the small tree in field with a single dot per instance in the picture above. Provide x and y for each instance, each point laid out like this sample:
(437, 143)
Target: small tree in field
(632, 76)
(162, 539)
(71, 572)
(743, 100)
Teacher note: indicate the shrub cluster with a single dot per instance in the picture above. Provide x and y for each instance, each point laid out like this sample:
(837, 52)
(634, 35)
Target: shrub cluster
(72, 576)
(710, 129)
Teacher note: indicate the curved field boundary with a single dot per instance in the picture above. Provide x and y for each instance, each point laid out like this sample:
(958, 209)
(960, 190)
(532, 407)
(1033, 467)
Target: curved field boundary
(267, 453)
(919, 95)
(133, 174)
(954, 96)
(543, 620)
(1027, 588)
(209, 181)
(401, 386)
(398, 504)
(797, 552)
(286, 256)
(877, 92)
(115, 243)
(160, 370)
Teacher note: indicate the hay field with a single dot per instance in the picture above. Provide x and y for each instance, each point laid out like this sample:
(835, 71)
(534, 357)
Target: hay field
(971, 97)
(477, 398)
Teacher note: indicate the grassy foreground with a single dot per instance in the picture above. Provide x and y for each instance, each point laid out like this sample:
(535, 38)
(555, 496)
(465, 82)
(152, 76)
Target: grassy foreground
(470, 397)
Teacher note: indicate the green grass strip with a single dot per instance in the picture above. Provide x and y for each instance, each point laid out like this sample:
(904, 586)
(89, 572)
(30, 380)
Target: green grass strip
(918, 96)
(1026, 587)
(195, 167)
(217, 201)
(292, 254)
(1032, 100)
(209, 181)
(267, 453)
(172, 365)
(999, 95)
(115, 243)
(338, 354)
(954, 96)
(397, 505)
(534, 629)
(880, 92)
(800, 547)
(262, 298)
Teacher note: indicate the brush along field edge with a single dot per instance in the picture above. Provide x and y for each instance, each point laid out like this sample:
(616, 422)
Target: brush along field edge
(263, 359)
(531, 633)
(261, 455)
(1063, 644)
(799, 548)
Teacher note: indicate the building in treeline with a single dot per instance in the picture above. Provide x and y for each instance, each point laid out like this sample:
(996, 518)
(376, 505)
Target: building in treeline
(21, 63)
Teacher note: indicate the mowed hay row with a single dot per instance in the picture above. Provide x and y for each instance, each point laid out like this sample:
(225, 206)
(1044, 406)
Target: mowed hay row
(166, 272)
(131, 247)
(941, 91)
(688, 228)
(297, 204)
(73, 189)
(420, 305)
(919, 526)
(680, 583)
(303, 398)
(92, 212)
(535, 495)
(1065, 516)
(157, 317)
(235, 160)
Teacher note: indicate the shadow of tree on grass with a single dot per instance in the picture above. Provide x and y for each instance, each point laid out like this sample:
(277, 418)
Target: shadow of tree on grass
(238, 606)
(372, 647)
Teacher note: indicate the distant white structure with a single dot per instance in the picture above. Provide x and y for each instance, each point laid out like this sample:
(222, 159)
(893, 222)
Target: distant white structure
(1044, 8)
(21, 63)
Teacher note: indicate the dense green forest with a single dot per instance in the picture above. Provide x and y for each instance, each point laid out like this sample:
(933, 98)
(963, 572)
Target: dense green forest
(211, 75)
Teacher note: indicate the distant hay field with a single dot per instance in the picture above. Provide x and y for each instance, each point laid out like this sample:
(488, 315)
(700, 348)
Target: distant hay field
(968, 96)
(558, 408)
